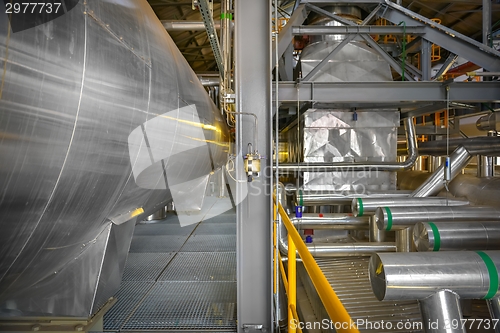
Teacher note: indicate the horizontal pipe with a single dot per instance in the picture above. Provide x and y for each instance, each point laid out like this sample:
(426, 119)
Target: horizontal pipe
(479, 191)
(389, 218)
(325, 198)
(435, 183)
(417, 275)
(330, 221)
(445, 236)
(363, 206)
(182, 25)
(349, 249)
(481, 145)
(362, 166)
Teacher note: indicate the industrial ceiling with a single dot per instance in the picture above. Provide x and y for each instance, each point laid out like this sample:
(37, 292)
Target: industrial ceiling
(464, 16)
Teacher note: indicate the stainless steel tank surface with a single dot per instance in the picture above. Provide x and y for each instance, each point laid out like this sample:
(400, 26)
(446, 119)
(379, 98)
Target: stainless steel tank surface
(100, 115)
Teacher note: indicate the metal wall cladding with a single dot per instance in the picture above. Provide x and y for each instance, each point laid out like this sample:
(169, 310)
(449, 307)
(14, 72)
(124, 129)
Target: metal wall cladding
(73, 92)
(355, 62)
(333, 136)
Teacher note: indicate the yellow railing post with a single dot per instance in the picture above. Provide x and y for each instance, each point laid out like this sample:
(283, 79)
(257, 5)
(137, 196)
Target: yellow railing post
(292, 283)
(333, 306)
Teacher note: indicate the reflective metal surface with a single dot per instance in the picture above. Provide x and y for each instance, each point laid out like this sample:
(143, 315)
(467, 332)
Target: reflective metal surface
(320, 250)
(479, 191)
(440, 310)
(352, 165)
(401, 217)
(361, 206)
(311, 198)
(404, 240)
(93, 104)
(330, 221)
(416, 275)
(435, 183)
(446, 236)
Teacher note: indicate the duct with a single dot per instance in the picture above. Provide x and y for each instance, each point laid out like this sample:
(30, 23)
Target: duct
(479, 191)
(435, 183)
(440, 310)
(330, 221)
(361, 166)
(362, 206)
(91, 102)
(445, 236)
(417, 275)
(326, 198)
(389, 218)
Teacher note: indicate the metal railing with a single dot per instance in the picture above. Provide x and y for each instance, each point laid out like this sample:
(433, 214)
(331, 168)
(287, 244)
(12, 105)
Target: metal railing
(333, 306)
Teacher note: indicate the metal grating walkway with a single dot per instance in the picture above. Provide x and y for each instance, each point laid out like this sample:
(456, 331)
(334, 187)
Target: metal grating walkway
(179, 278)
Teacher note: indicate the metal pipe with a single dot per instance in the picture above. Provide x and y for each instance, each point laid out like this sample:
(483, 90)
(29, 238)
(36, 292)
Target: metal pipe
(440, 311)
(182, 25)
(477, 145)
(416, 275)
(435, 183)
(330, 221)
(349, 249)
(326, 198)
(445, 236)
(489, 122)
(362, 166)
(389, 218)
(376, 235)
(494, 307)
(479, 191)
(485, 166)
(404, 240)
(362, 206)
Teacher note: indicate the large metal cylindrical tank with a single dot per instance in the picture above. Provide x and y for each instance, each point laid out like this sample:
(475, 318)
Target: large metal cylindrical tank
(97, 108)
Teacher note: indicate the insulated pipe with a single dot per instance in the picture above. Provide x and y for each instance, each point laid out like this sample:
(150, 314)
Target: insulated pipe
(182, 25)
(494, 307)
(445, 236)
(321, 250)
(326, 198)
(330, 221)
(476, 145)
(479, 191)
(376, 235)
(404, 240)
(435, 183)
(401, 217)
(417, 275)
(362, 206)
(362, 166)
(440, 311)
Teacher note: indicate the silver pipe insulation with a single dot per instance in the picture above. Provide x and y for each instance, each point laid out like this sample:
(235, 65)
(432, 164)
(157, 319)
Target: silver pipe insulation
(322, 250)
(389, 218)
(445, 236)
(440, 311)
(362, 206)
(436, 182)
(331, 221)
(494, 307)
(479, 191)
(183, 25)
(326, 198)
(417, 275)
(362, 166)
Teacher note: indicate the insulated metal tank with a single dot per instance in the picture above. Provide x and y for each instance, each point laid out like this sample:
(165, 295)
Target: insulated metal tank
(97, 107)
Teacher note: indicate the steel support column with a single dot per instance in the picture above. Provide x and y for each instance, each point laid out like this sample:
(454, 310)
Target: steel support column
(254, 220)
(426, 60)
(486, 21)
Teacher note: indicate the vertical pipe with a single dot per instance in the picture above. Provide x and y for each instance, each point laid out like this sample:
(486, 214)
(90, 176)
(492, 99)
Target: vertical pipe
(494, 307)
(486, 21)
(376, 235)
(404, 240)
(440, 312)
(292, 282)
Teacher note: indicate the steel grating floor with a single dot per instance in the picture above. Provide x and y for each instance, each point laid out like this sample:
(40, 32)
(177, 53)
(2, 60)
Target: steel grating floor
(179, 278)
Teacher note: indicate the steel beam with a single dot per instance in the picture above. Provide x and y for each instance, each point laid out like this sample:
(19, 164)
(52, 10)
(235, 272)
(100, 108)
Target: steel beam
(486, 21)
(388, 92)
(253, 213)
(355, 29)
(451, 40)
(285, 36)
(425, 59)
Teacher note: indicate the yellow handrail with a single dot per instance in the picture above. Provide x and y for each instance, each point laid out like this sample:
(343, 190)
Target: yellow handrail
(333, 306)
